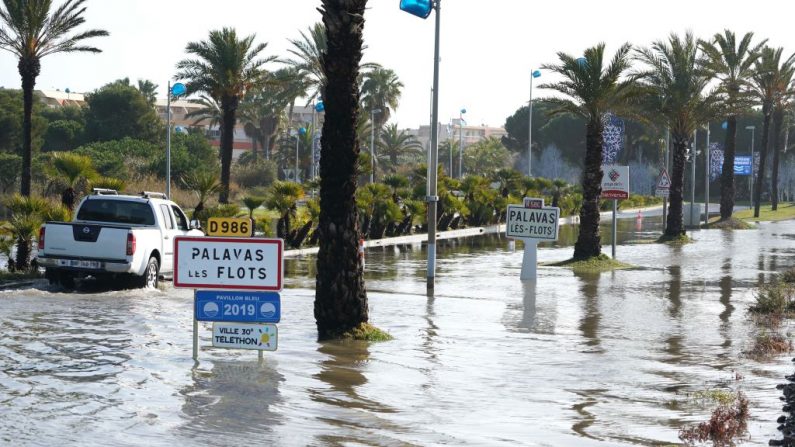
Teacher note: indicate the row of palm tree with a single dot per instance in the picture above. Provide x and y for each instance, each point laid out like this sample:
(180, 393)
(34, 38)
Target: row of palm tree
(671, 90)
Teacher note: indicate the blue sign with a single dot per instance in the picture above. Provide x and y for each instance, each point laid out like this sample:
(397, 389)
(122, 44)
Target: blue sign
(241, 307)
(742, 165)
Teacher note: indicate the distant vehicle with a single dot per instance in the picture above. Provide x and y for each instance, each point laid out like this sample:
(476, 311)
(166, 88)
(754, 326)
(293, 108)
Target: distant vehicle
(115, 236)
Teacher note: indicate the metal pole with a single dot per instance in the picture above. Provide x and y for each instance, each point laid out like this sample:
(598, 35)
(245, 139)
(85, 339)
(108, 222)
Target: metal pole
(615, 209)
(753, 130)
(168, 142)
(314, 126)
(297, 139)
(665, 161)
(450, 142)
(706, 180)
(693, 181)
(460, 145)
(372, 145)
(530, 129)
(432, 198)
(195, 328)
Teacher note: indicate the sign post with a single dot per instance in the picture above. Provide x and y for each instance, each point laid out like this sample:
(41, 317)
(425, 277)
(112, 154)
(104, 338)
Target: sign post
(615, 186)
(240, 276)
(531, 222)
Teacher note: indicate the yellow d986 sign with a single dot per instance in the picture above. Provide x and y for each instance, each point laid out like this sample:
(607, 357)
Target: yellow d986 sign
(230, 226)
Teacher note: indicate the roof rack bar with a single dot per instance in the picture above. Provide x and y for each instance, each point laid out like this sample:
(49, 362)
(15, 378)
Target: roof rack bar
(105, 192)
(151, 194)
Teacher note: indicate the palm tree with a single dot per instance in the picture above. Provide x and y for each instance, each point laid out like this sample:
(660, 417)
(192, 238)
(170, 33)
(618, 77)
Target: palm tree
(767, 80)
(204, 184)
(283, 197)
(252, 203)
(676, 78)
(262, 110)
(395, 143)
(381, 89)
(73, 169)
(149, 90)
(785, 90)
(591, 88)
(225, 68)
(732, 63)
(30, 31)
(340, 297)
(308, 51)
(210, 112)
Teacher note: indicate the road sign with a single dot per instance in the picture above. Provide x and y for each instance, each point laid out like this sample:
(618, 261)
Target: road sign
(241, 307)
(228, 263)
(260, 337)
(535, 204)
(615, 182)
(662, 192)
(665, 181)
(742, 165)
(539, 224)
(230, 226)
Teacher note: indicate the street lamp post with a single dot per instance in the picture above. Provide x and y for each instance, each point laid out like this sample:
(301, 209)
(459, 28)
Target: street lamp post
(372, 143)
(461, 143)
(297, 134)
(317, 108)
(693, 182)
(533, 74)
(753, 130)
(176, 91)
(707, 160)
(423, 9)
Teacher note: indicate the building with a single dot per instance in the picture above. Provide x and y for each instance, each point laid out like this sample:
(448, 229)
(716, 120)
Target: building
(452, 131)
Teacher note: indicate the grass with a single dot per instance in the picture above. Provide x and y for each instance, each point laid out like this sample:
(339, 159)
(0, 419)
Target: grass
(674, 240)
(721, 397)
(776, 298)
(727, 422)
(785, 211)
(768, 344)
(601, 263)
(8, 277)
(731, 223)
(367, 332)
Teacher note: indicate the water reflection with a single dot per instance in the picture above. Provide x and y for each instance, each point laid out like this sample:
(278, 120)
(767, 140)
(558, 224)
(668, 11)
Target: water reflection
(589, 324)
(218, 401)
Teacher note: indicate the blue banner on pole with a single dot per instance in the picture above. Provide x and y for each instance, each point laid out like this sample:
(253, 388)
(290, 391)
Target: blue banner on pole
(612, 138)
(715, 161)
(241, 307)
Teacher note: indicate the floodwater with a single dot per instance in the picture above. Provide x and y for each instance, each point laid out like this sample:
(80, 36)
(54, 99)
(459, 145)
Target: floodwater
(576, 360)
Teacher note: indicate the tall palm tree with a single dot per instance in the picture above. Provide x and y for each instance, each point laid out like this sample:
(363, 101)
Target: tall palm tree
(31, 30)
(767, 79)
(676, 78)
(771, 85)
(381, 89)
(308, 51)
(732, 63)
(592, 86)
(395, 143)
(149, 90)
(262, 110)
(340, 297)
(785, 91)
(225, 68)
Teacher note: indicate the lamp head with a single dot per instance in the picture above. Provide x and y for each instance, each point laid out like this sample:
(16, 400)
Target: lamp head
(319, 107)
(178, 89)
(463, 111)
(536, 74)
(419, 8)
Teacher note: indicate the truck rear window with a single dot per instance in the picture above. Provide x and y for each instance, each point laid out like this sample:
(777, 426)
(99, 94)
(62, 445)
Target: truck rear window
(116, 211)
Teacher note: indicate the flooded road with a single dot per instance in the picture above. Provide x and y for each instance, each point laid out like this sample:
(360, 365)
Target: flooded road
(580, 360)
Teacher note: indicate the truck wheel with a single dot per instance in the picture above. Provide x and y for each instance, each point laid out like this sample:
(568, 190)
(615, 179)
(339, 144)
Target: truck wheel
(149, 278)
(66, 280)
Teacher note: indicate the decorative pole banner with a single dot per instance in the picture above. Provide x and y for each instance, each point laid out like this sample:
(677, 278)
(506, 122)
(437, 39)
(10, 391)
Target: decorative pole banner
(612, 138)
(715, 161)
(756, 164)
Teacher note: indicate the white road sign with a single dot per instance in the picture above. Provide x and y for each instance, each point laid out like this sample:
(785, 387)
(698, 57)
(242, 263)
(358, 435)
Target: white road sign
(260, 337)
(615, 182)
(228, 263)
(532, 223)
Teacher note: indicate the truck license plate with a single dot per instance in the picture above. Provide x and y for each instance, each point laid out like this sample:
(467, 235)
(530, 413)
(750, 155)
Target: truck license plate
(79, 263)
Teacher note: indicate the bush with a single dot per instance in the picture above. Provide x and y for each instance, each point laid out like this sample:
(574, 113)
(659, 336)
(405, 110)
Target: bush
(255, 174)
(776, 298)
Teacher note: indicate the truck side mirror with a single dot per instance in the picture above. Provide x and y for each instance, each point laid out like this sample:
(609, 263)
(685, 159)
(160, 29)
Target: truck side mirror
(195, 225)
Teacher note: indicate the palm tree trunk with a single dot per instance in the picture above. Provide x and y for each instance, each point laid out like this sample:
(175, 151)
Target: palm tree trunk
(727, 188)
(589, 242)
(340, 297)
(28, 69)
(760, 176)
(778, 142)
(22, 262)
(675, 226)
(229, 110)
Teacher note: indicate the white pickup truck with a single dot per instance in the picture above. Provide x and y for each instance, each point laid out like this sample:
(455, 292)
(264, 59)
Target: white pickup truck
(115, 236)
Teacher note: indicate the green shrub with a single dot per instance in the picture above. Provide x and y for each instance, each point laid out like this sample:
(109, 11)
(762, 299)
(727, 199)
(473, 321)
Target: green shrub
(775, 298)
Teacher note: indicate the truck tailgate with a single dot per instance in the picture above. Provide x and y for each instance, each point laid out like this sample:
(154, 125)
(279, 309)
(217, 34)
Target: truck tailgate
(78, 240)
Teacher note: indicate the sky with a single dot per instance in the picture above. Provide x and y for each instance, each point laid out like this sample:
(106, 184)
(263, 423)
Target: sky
(488, 47)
